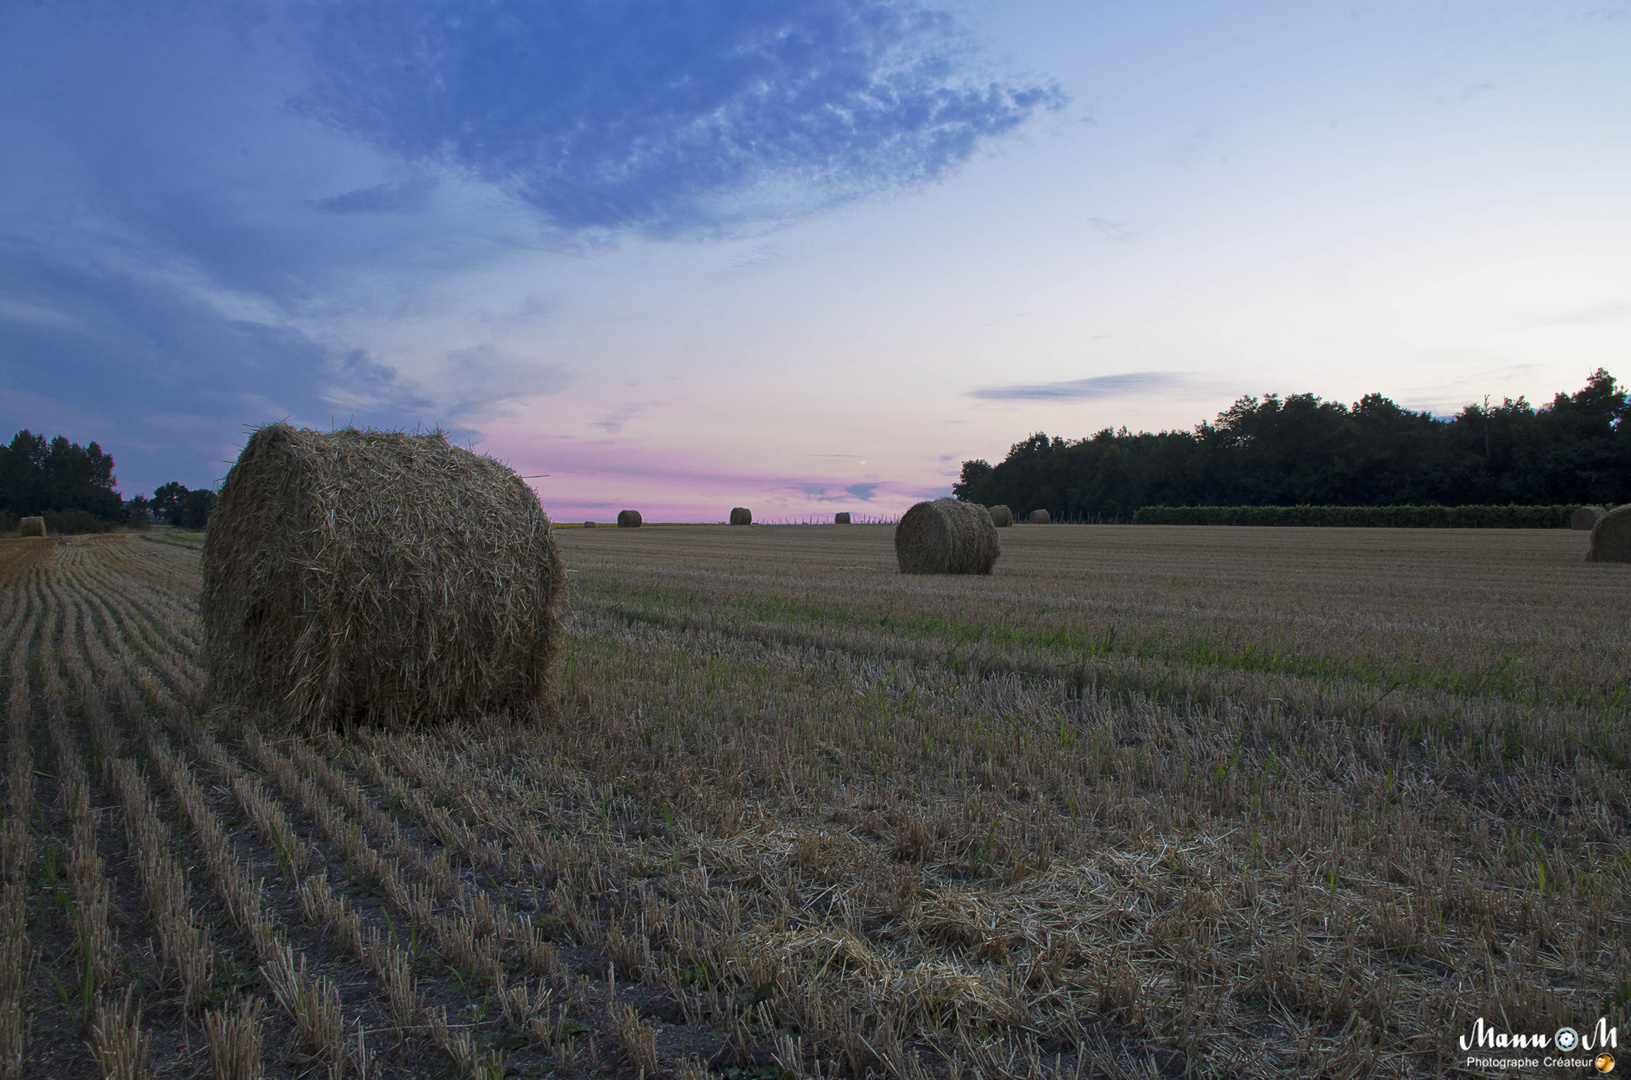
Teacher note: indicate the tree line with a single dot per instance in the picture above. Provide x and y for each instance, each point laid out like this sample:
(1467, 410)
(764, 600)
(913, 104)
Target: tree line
(1301, 450)
(75, 485)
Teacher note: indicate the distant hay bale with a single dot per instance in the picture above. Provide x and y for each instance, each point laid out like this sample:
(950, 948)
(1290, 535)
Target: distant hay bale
(1611, 537)
(741, 515)
(590, 525)
(629, 519)
(1585, 517)
(841, 519)
(1001, 516)
(946, 536)
(1039, 517)
(376, 578)
(31, 526)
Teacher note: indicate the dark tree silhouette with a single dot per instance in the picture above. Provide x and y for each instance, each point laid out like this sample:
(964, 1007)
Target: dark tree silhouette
(1299, 449)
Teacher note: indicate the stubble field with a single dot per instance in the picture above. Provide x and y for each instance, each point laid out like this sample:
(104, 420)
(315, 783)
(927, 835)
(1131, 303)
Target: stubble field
(1148, 801)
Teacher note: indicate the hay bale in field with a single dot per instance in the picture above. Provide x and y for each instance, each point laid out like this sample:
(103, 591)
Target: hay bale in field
(946, 536)
(629, 519)
(1585, 517)
(590, 525)
(1039, 517)
(1001, 516)
(841, 519)
(1611, 537)
(741, 515)
(376, 577)
(31, 526)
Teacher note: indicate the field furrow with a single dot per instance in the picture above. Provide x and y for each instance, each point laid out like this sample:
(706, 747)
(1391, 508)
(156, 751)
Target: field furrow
(789, 814)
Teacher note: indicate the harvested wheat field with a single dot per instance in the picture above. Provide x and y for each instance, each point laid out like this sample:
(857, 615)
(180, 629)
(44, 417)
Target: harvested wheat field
(1145, 802)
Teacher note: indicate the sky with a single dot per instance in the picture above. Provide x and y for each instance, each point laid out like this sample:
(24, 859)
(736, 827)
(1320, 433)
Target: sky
(803, 257)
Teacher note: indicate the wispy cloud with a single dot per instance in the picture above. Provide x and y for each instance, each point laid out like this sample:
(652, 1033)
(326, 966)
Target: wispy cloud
(664, 117)
(1115, 230)
(135, 356)
(409, 196)
(612, 423)
(485, 376)
(832, 493)
(1601, 313)
(1100, 386)
(224, 204)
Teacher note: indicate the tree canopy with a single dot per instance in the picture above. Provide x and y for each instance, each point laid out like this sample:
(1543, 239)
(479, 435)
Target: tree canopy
(1300, 449)
(37, 475)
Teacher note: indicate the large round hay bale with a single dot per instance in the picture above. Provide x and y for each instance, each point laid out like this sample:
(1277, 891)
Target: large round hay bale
(1611, 537)
(1585, 517)
(946, 536)
(1039, 517)
(31, 526)
(1001, 516)
(841, 518)
(376, 578)
(741, 515)
(590, 525)
(629, 519)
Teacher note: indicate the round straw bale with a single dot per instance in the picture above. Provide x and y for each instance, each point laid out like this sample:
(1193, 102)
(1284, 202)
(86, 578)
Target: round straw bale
(1585, 517)
(629, 519)
(31, 526)
(741, 515)
(589, 525)
(946, 536)
(1001, 516)
(841, 518)
(1039, 517)
(376, 578)
(1611, 536)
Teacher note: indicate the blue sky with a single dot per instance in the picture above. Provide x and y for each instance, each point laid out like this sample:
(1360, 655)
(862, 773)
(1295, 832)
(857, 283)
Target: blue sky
(800, 257)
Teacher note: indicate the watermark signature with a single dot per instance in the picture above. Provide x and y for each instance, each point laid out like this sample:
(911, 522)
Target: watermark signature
(1565, 1048)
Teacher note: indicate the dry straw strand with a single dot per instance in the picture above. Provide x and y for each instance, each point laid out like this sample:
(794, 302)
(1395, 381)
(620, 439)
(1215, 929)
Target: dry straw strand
(235, 1041)
(118, 1041)
(1584, 518)
(1001, 516)
(628, 519)
(1611, 537)
(741, 515)
(946, 536)
(376, 577)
